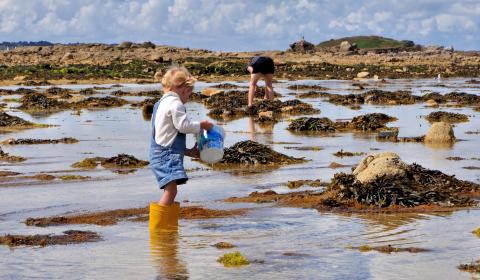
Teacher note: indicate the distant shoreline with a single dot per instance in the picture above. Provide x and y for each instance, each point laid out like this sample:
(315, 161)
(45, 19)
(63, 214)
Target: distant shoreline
(138, 63)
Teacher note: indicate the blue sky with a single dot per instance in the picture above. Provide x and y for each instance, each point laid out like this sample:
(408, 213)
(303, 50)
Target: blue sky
(240, 24)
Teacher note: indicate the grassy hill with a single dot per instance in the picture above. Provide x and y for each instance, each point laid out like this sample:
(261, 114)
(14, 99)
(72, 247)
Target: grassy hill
(367, 42)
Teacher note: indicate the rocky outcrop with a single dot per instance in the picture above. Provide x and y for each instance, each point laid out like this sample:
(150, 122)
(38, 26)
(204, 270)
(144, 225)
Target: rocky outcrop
(440, 133)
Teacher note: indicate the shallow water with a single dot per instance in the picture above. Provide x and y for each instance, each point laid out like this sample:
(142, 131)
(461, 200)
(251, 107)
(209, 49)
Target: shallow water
(288, 243)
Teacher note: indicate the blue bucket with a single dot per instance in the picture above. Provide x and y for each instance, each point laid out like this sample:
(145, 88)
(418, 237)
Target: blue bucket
(210, 144)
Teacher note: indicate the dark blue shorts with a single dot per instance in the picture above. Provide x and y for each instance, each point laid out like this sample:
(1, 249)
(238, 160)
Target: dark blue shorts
(262, 64)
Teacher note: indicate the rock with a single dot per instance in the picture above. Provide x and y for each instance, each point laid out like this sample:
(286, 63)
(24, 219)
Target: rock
(382, 164)
(7, 120)
(431, 103)
(125, 45)
(408, 43)
(148, 45)
(447, 117)
(158, 76)
(19, 78)
(312, 124)
(210, 91)
(77, 98)
(345, 46)
(441, 133)
(157, 58)
(362, 75)
(334, 165)
(450, 49)
(266, 116)
(252, 153)
(302, 46)
(66, 56)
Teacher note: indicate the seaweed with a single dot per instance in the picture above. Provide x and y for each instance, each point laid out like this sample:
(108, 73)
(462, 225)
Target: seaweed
(233, 259)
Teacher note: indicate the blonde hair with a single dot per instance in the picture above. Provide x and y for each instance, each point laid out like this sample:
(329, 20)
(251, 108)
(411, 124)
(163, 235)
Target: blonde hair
(176, 77)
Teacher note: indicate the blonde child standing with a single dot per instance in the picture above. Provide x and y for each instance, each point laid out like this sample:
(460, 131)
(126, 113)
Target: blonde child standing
(170, 125)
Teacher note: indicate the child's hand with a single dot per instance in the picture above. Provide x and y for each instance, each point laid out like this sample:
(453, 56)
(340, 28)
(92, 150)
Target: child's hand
(193, 152)
(206, 125)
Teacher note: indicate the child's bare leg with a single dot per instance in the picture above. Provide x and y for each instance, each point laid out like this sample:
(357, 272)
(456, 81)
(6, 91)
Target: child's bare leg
(168, 197)
(252, 87)
(269, 86)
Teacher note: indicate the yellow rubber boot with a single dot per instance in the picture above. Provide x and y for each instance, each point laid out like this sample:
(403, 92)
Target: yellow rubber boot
(173, 218)
(159, 217)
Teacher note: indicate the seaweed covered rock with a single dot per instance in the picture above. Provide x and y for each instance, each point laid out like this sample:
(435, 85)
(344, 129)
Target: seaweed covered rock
(233, 104)
(68, 237)
(384, 180)
(473, 267)
(7, 120)
(302, 46)
(227, 86)
(60, 92)
(440, 133)
(7, 157)
(383, 164)
(312, 94)
(463, 98)
(448, 117)
(123, 161)
(226, 104)
(29, 141)
(100, 102)
(233, 259)
(291, 107)
(370, 122)
(253, 153)
(39, 101)
(306, 87)
(312, 124)
(375, 97)
(380, 97)
(345, 100)
(88, 163)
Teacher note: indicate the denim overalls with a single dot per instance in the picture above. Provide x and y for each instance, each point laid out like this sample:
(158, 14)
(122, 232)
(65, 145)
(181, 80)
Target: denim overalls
(167, 162)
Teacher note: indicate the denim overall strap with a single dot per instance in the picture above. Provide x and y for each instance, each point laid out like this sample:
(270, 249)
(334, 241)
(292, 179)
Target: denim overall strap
(179, 144)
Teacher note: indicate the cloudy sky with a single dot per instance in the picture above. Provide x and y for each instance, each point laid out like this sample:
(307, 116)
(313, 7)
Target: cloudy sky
(240, 24)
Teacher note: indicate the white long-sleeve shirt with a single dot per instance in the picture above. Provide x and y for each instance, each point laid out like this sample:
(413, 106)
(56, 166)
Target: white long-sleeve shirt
(171, 118)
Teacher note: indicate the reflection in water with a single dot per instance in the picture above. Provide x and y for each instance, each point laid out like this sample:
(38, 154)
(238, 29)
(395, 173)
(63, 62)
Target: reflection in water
(396, 229)
(440, 146)
(267, 131)
(164, 255)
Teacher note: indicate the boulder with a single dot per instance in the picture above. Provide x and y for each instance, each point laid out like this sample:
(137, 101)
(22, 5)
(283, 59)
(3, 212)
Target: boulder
(266, 116)
(158, 76)
(382, 164)
(148, 45)
(210, 91)
(362, 75)
(431, 103)
(67, 56)
(125, 45)
(302, 46)
(345, 46)
(20, 78)
(157, 58)
(440, 133)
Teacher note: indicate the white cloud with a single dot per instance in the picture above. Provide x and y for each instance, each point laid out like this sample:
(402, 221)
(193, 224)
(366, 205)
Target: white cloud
(450, 23)
(239, 24)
